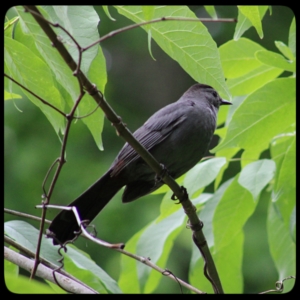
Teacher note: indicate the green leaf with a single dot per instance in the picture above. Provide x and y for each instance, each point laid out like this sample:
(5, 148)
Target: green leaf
(252, 13)
(282, 247)
(238, 57)
(202, 174)
(275, 60)
(253, 80)
(210, 9)
(249, 155)
(93, 61)
(95, 121)
(279, 146)
(207, 214)
(285, 50)
(80, 265)
(292, 37)
(284, 194)
(23, 285)
(148, 12)
(189, 43)
(228, 259)
(26, 235)
(261, 116)
(128, 280)
(28, 69)
(244, 23)
(82, 23)
(10, 96)
(228, 262)
(11, 268)
(255, 176)
(232, 212)
(105, 8)
(156, 242)
(50, 55)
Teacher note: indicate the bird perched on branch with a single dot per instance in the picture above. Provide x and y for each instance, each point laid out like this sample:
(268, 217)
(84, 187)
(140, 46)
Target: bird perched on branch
(178, 135)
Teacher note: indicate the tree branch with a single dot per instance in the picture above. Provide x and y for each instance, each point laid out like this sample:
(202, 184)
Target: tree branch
(46, 273)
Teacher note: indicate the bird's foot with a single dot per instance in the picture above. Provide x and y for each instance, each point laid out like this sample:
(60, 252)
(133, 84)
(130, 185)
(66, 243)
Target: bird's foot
(186, 195)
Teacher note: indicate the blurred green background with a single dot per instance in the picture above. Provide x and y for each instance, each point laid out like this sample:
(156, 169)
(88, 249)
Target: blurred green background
(137, 87)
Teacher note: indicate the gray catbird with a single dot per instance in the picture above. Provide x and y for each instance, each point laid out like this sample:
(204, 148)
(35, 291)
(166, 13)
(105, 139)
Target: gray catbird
(178, 135)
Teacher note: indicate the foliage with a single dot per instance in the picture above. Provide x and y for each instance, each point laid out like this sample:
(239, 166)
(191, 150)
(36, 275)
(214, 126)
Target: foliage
(258, 129)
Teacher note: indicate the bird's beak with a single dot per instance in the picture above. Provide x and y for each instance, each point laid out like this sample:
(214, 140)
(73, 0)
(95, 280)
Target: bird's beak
(225, 102)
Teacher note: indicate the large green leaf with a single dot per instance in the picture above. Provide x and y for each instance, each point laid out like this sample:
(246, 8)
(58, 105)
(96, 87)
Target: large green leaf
(82, 23)
(255, 176)
(22, 285)
(189, 43)
(202, 174)
(228, 259)
(50, 55)
(285, 50)
(252, 81)
(28, 69)
(252, 13)
(97, 75)
(234, 209)
(80, 265)
(238, 57)
(244, 23)
(156, 242)
(92, 64)
(262, 115)
(275, 60)
(128, 280)
(26, 235)
(284, 194)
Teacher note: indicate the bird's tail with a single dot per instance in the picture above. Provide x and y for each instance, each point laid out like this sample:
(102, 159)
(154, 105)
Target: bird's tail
(88, 205)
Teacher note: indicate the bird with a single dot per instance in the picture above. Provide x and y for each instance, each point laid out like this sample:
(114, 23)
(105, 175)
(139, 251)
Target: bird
(178, 135)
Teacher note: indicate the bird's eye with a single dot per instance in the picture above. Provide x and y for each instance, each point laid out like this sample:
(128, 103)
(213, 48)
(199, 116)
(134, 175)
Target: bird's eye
(215, 93)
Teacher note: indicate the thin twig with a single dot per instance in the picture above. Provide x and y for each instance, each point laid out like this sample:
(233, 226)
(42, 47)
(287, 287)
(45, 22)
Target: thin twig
(129, 27)
(24, 215)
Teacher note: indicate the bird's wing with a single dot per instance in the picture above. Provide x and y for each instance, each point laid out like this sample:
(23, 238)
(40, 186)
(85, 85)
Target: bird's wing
(154, 131)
